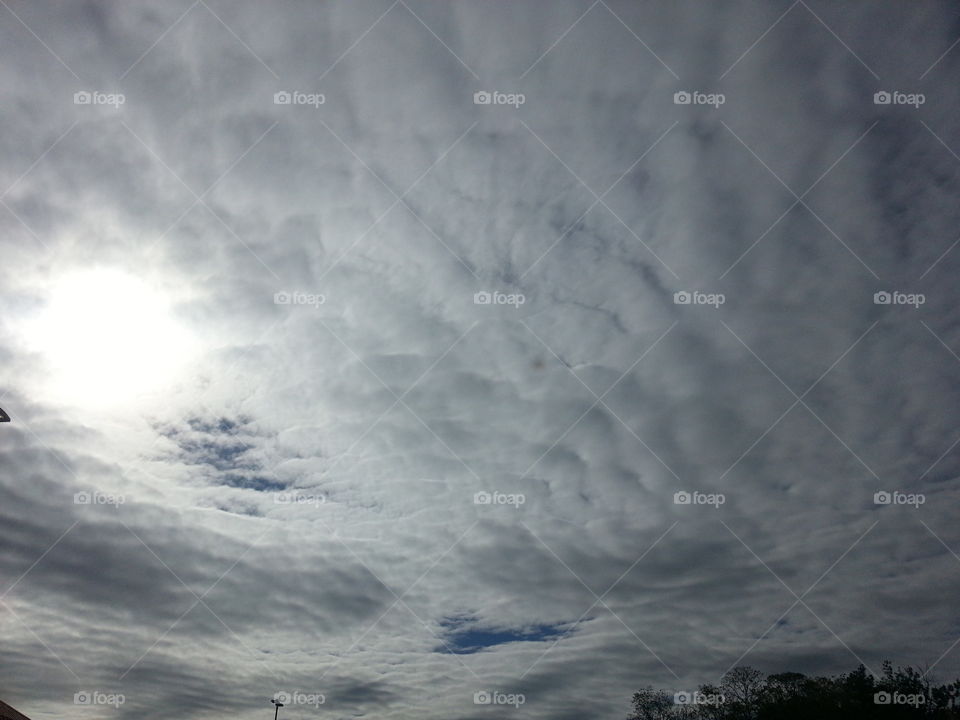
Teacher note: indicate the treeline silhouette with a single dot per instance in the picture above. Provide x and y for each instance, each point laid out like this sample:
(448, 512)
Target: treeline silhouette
(747, 694)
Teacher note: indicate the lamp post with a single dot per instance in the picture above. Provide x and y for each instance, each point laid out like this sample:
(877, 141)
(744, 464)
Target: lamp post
(277, 708)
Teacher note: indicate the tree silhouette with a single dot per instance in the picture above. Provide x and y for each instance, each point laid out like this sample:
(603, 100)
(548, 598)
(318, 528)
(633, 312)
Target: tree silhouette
(650, 704)
(746, 694)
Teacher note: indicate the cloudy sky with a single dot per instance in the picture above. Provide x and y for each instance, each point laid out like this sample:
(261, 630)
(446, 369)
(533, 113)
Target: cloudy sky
(409, 357)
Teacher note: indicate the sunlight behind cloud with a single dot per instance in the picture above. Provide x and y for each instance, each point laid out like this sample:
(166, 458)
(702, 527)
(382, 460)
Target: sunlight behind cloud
(108, 339)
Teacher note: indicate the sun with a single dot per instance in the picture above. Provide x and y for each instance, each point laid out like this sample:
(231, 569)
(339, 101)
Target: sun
(107, 339)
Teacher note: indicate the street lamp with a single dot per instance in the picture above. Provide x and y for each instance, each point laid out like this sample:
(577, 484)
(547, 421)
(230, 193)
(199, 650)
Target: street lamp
(278, 706)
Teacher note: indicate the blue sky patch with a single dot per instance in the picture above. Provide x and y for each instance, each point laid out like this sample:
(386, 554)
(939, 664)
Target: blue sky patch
(464, 636)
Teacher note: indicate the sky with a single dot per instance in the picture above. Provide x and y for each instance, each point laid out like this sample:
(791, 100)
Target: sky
(473, 359)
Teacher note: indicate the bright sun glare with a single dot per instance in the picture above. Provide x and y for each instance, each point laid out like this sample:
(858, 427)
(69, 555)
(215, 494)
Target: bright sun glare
(107, 339)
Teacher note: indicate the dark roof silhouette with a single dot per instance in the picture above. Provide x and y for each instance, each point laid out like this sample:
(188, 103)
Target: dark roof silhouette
(8, 713)
(3, 416)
